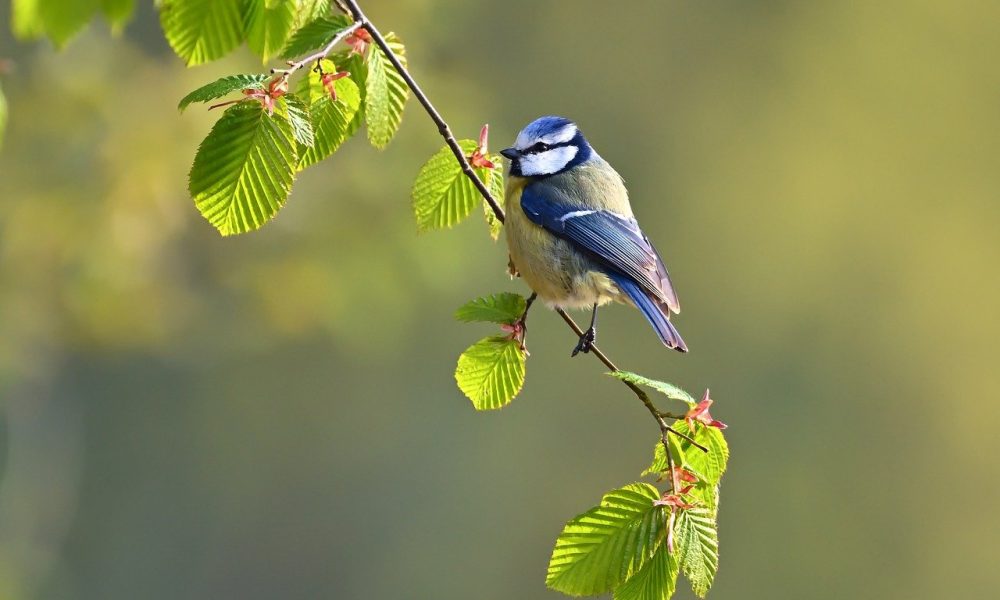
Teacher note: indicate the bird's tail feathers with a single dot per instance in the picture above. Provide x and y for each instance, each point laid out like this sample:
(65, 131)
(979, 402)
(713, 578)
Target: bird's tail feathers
(656, 312)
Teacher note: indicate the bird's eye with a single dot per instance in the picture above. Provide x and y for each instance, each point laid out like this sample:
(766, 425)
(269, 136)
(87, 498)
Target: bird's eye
(540, 147)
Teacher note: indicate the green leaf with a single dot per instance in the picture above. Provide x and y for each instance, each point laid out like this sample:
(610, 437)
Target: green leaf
(26, 19)
(491, 372)
(504, 308)
(655, 580)
(200, 31)
(63, 20)
(697, 547)
(309, 10)
(332, 120)
(708, 466)
(386, 94)
(659, 464)
(442, 194)
(301, 121)
(118, 12)
(243, 171)
(355, 65)
(3, 116)
(223, 87)
(601, 548)
(496, 187)
(268, 23)
(668, 389)
(314, 35)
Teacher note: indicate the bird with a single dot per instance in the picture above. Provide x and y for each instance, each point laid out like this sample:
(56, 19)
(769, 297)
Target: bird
(572, 236)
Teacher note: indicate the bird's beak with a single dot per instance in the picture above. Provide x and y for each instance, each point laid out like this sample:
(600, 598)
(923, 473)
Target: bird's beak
(510, 153)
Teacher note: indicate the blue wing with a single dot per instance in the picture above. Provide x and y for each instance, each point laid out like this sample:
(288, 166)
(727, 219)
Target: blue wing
(614, 241)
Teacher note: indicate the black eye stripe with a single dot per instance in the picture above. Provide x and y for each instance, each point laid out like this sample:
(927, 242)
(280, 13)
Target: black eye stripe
(543, 147)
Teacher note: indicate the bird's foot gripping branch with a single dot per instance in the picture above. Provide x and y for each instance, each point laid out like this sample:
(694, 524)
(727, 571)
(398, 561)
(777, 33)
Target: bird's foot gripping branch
(342, 73)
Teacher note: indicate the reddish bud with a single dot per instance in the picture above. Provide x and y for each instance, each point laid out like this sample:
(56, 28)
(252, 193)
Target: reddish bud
(278, 86)
(700, 414)
(328, 78)
(673, 501)
(478, 156)
(358, 40)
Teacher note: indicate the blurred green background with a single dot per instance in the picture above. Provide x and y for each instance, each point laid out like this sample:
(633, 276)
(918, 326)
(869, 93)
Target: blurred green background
(274, 415)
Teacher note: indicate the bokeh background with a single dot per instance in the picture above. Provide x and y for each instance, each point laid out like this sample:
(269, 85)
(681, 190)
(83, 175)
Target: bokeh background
(274, 415)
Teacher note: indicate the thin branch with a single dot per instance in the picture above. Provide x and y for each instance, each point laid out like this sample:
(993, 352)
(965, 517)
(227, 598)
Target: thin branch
(321, 54)
(449, 138)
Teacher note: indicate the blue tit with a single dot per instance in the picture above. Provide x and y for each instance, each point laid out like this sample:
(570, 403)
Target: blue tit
(571, 233)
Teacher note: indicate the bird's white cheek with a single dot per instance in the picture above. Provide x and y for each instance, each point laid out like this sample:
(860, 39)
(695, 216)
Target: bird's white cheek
(548, 162)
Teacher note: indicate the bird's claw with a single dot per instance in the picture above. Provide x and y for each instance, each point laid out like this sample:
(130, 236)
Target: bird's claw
(586, 342)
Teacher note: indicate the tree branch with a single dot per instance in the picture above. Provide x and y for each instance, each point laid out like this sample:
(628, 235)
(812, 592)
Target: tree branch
(449, 138)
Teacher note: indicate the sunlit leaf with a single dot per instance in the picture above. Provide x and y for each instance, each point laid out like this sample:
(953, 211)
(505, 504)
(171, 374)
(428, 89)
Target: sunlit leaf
(442, 194)
(202, 30)
(223, 87)
(601, 548)
(301, 121)
(655, 580)
(491, 372)
(308, 10)
(118, 12)
(386, 93)
(697, 548)
(496, 187)
(498, 308)
(26, 19)
(243, 171)
(314, 35)
(268, 23)
(668, 389)
(710, 465)
(63, 20)
(332, 120)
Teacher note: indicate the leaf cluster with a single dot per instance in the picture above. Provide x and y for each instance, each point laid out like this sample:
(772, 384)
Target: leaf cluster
(244, 169)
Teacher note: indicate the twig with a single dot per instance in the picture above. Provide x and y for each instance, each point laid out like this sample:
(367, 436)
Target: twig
(321, 54)
(449, 138)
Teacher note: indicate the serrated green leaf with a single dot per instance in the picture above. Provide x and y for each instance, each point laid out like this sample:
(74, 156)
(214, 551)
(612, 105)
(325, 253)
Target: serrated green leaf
(442, 195)
(601, 548)
(3, 116)
(309, 10)
(491, 372)
(118, 12)
(26, 19)
(200, 31)
(496, 187)
(223, 87)
(655, 580)
(668, 389)
(243, 171)
(314, 35)
(301, 120)
(63, 20)
(268, 24)
(355, 65)
(697, 548)
(332, 121)
(659, 464)
(708, 466)
(386, 93)
(503, 308)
